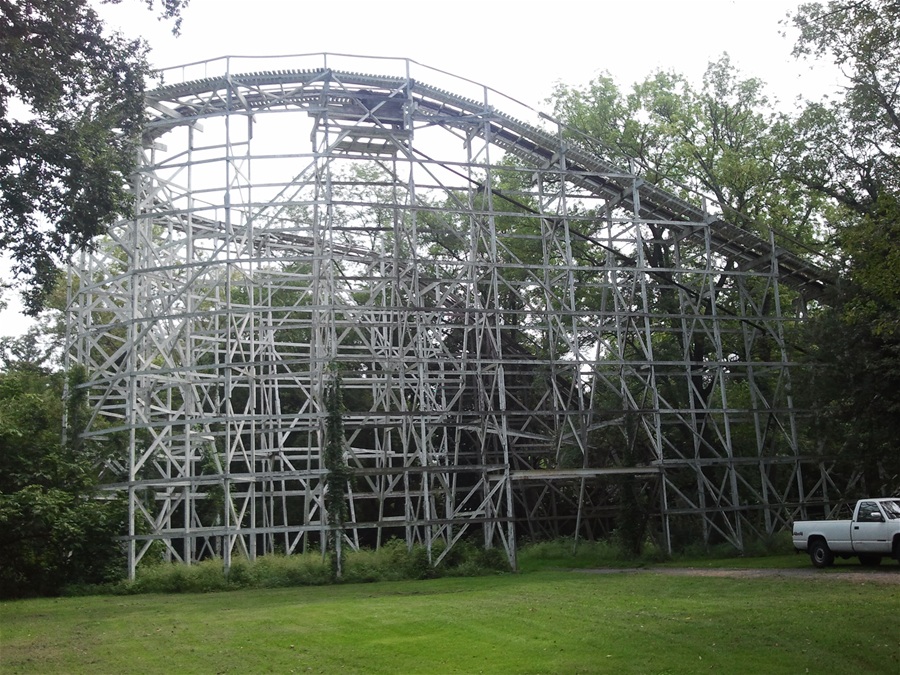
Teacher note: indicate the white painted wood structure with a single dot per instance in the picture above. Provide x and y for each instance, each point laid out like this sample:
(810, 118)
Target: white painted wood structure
(517, 323)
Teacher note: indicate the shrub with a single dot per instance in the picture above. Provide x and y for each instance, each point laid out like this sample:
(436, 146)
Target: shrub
(278, 571)
(468, 560)
(392, 562)
(203, 577)
(242, 574)
(566, 552)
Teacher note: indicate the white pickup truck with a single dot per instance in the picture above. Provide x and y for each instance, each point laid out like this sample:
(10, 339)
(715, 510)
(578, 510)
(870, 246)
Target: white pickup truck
(873, 533)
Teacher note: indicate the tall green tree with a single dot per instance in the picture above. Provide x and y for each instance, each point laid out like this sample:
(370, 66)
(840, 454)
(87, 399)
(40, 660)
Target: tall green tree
(848, 150)
(54, 531)
(723, 141)
(849, 146)
(721, 144)
(71, 108)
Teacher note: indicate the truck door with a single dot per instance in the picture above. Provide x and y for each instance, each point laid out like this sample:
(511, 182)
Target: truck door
(870, 531)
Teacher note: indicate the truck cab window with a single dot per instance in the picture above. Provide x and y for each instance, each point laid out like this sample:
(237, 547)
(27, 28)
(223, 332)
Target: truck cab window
(892, 508)
(869, 513)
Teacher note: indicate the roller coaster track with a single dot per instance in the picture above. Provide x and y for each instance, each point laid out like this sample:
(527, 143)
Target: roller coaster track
(344, 94)
(509, 351)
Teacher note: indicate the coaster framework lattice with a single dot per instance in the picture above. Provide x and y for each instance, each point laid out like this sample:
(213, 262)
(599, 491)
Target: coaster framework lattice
(523, 330)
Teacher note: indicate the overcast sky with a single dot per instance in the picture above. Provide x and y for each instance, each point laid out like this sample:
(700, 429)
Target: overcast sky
(519, 48)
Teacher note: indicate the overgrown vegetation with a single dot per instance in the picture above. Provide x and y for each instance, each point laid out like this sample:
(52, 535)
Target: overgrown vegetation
(395, 562)
(824, 179)
(71, 110)
(56, 529)
(392, 562)
(567, 553)
(339, 475)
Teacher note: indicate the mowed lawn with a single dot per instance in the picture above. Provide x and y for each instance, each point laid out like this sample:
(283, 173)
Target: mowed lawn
(538, 622)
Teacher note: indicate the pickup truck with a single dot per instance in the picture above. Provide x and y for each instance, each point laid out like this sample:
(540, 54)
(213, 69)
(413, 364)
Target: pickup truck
(873, 533)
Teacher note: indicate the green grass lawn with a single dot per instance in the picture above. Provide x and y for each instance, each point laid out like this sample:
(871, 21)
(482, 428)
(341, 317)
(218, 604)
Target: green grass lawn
(538, 622)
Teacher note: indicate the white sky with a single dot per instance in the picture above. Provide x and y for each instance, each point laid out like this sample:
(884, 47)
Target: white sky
(518, 47)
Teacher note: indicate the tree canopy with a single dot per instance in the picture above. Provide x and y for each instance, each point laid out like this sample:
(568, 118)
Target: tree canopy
(852, 143)
(848, 149)
(71, 108)
(826, 178)
(55, 530)
(723, 141)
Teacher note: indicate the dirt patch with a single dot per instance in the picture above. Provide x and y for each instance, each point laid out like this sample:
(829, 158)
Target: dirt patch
(861, 575)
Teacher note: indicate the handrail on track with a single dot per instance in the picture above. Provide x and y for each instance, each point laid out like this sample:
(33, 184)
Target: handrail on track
(528, 141)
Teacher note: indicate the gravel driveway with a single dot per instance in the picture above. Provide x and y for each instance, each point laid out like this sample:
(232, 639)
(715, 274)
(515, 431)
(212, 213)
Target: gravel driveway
(889, 574)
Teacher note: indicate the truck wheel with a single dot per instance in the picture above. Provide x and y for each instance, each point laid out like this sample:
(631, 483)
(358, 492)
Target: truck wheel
(820, 554)
(870, 560)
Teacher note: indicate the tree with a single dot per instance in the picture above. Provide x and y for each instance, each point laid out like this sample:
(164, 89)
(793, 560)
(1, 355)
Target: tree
(848, 151)
(55, 530)
(71, 109)
(723, 142)
(860, 160)
(722, 145)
